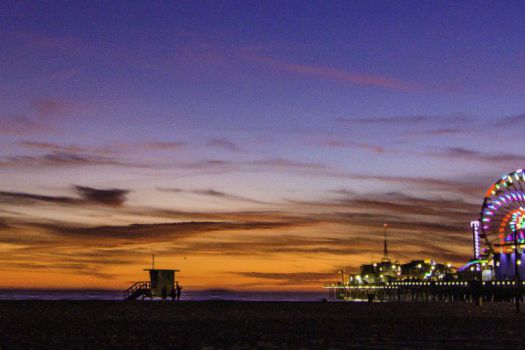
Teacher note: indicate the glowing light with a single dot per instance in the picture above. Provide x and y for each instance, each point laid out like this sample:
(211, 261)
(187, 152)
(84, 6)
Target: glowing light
(475, 233)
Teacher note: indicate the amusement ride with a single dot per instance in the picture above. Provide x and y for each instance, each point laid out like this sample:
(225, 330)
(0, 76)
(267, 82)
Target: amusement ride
(502, 217)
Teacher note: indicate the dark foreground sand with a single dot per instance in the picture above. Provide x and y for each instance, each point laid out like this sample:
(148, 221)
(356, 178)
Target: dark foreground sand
(257, 325)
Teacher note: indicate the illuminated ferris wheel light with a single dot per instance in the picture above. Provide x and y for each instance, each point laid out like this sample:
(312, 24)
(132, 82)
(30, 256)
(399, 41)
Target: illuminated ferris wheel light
(503, 212)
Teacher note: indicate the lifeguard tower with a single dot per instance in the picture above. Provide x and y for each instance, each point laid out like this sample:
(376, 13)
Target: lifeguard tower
(159, 280)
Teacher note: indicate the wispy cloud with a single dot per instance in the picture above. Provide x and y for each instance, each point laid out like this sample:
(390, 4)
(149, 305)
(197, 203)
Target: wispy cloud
(290, 277)
(445, 131)
(286, 164)
(54, 147)
(26, 198)
(42, 116)
(86, 195)
(160, 146)
(352, 144)
(509, 121)
(67, 74)
(407, 127)
(179, 236)
(118, 148)
(209, 166)
(475, 155)
(136, 233)
(53, 107)
(335, 74)
(467, 187)
(113, 197)
(406, 120)
(20, 125)
(215, 194)
(414, 215)
(223, 143)
(415, 119)
(64, 159)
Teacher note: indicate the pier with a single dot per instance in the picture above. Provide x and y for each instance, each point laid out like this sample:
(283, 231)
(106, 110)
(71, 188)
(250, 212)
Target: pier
(454, 291)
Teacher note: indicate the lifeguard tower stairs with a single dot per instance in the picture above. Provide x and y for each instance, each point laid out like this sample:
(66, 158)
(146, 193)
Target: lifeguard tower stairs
(141, 289)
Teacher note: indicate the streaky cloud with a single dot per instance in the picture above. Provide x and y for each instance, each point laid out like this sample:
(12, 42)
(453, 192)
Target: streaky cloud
(112, 197)
(86, 196)
(289, 277)
(20, 125)
(65, 159)
(335, 74)
(223, 143)
(27, 198)
(286, 164)
(475, 155)
(53, 106)
(213, 193)
(405, 120)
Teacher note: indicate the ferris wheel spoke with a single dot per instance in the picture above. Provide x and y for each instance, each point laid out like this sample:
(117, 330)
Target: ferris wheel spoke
(519, 185)
(521, 196)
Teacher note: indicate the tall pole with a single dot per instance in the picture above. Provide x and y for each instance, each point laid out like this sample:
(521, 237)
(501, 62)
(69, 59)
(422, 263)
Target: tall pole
(516, 272)
(474, 255)
(153, 262)
(385, 247)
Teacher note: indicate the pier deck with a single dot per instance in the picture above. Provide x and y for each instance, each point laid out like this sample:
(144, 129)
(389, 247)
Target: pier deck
(429, 291)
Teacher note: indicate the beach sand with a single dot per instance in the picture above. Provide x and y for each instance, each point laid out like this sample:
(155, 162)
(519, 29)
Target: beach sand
(256, 325)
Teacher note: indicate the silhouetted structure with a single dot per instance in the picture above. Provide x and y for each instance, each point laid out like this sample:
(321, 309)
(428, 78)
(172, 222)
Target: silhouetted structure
(161, 281)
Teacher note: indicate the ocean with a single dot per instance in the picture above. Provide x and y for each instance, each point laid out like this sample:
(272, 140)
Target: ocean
(201, 295)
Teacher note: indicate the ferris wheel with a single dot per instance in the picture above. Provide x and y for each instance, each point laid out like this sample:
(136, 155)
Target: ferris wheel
(502, 217)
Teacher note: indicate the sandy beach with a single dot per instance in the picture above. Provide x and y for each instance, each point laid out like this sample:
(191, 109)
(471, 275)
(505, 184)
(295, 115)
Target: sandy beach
(256, 325)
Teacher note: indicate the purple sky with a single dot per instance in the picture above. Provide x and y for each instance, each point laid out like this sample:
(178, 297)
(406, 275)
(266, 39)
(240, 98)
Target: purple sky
(280, 109)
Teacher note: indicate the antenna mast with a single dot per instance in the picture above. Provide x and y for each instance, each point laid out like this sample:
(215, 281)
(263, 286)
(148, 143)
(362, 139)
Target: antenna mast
(385, 247)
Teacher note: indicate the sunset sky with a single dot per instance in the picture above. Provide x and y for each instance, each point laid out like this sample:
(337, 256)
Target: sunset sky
(252, 145)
